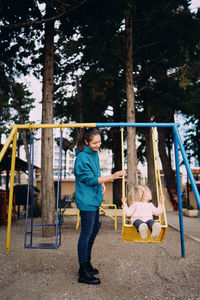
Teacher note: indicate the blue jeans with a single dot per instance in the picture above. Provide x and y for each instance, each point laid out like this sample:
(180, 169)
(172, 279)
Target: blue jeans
(138, 222)
(90, 226)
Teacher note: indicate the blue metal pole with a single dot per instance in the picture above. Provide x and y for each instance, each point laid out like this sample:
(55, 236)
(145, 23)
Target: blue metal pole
(58, 199)
(27, 201)
(28, 194)
(121, 124)
(189, 171)
(60, 188)
(178, 178)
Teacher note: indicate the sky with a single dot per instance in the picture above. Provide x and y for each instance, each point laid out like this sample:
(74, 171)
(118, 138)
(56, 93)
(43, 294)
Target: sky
(36, 86)
(195, 4)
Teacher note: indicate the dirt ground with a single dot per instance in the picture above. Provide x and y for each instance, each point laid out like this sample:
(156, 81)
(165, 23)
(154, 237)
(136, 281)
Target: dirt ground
(127, 270)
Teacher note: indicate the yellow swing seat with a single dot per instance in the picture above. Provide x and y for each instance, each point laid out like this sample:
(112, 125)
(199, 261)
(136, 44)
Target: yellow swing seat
(129, 231)
(130, 234)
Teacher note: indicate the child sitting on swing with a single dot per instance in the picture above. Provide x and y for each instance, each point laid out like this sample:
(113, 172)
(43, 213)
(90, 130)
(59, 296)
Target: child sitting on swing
(141, 211)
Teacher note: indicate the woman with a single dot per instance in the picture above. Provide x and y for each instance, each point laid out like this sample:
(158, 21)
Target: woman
(89, 190)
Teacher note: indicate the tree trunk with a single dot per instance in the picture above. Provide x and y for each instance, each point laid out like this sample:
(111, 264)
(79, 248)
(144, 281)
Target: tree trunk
(48, 196)
(116, 147)
(198, 136)
(167, 168)
(149, 154)
(131, 131)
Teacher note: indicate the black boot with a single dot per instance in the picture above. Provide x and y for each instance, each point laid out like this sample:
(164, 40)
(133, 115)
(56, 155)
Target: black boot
(92, 270)
(85, 276)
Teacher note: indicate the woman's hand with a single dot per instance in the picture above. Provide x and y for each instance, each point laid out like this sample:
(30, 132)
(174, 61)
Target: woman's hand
(118, 174)
(103, 188)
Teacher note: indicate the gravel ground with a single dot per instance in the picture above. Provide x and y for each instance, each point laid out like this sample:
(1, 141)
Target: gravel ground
(127, 270)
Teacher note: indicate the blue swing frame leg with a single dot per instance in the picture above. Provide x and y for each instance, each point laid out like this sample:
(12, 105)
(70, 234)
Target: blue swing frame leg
(187, 165)
(178, 178)
(178, 142)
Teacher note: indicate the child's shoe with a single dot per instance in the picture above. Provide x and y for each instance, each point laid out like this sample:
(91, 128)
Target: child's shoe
(156, 229)
(143, 230)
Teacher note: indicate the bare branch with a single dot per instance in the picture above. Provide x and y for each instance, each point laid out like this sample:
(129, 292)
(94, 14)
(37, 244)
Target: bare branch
(147, 85)
(143, 88)
(42, 21)
(149, 45)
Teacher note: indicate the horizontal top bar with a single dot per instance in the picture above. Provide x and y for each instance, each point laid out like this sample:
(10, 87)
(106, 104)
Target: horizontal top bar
(121, 124)
(59, 125)
(80, 125)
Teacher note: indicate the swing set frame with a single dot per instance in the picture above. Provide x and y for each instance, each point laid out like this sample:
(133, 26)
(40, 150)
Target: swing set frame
(28, 239)
(178, 145)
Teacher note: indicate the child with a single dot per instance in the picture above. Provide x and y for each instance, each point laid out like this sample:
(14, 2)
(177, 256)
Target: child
(141, 211)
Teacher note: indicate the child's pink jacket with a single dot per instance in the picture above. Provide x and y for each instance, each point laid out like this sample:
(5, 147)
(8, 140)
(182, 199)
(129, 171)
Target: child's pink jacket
(143, 211)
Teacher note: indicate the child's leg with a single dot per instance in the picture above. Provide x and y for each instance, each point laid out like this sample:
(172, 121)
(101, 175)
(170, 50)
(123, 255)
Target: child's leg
(142, 228)
(155, 228)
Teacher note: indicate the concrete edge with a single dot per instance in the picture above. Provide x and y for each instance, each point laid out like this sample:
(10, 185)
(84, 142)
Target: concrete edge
(190, 236)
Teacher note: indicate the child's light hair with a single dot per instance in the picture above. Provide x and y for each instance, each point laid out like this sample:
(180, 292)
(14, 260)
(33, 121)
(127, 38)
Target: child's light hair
(137, 193)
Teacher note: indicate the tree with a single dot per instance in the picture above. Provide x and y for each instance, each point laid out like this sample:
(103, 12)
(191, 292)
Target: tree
(131, 131)
(16, 46)
(4, 106)
(161, 47)
(48, 197)
(21, 23)
(97, 51)
(191, 110)
(164, 48)
(91, 39)
(22, 103)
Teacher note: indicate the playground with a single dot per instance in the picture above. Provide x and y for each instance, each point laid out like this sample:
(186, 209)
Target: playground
(99, 146)
(167, 270)
(127, 270)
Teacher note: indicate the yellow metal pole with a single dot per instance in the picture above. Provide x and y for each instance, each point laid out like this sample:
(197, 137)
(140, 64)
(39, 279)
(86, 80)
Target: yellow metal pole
(59, 125)
(155, 163)
(7, 143)
(115, 217)
(78, 220)
(12, 174)
(123, 178)
(158, 178)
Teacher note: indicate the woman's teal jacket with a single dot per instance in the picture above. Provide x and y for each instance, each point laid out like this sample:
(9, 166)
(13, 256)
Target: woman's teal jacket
(88, 192)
